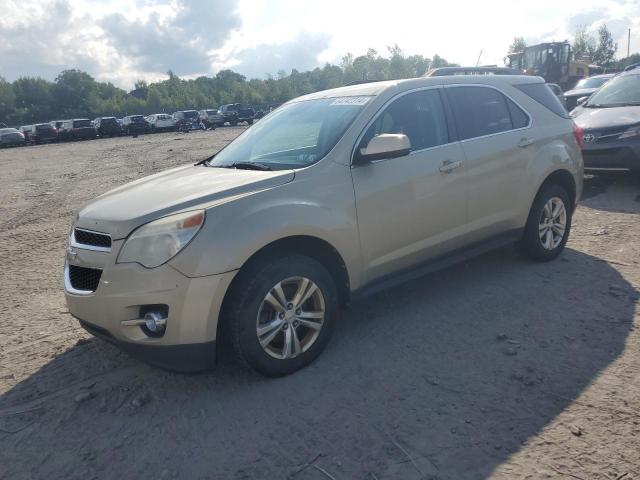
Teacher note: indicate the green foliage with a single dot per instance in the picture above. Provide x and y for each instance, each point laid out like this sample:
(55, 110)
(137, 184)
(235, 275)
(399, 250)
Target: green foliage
(606, 50)
(518, 45)
(76, 94)
(583, 44)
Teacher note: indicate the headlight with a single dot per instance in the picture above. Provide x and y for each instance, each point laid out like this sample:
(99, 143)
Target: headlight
(631, 132)
(157, 242)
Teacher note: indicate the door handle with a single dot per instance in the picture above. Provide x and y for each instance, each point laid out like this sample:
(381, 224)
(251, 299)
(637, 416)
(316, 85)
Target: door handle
(525, 142)
(448, 166)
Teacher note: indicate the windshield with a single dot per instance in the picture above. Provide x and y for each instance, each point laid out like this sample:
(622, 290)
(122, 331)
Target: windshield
(620, 91)
(190, 114)
(594, 82)
(43, 127)
(137, 119)
(293, 136)
(211, 112)
(81, 123)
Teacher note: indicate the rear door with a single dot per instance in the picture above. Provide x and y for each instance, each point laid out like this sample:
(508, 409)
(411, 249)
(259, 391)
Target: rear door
(411, 208)
(496, 137)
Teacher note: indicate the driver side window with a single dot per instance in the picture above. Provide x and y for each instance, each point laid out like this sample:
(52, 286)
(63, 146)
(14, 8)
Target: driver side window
(418, 115)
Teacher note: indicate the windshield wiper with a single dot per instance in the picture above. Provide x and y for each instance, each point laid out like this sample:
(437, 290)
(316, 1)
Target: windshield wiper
(205, 161)
(250, 166)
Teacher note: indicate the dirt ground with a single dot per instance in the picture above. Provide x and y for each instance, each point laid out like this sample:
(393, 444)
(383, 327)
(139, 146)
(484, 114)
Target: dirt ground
(496, 368)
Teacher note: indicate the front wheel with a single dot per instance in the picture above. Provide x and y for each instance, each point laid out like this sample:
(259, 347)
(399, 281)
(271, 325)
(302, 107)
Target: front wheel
(281, 314)
(548, 225)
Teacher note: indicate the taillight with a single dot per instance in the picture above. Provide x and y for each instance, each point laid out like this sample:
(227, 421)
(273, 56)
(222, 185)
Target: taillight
(578, 132)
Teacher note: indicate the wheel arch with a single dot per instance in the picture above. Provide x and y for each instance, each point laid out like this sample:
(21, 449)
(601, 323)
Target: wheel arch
(564, 179)
(309, 246)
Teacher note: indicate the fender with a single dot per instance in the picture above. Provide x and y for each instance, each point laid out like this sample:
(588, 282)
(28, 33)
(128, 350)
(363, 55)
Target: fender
(236, 230)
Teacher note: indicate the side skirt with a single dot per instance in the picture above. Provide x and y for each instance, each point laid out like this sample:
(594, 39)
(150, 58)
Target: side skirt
(438, 263)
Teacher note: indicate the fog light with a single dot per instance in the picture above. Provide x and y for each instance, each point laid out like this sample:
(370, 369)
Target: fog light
(155, 321)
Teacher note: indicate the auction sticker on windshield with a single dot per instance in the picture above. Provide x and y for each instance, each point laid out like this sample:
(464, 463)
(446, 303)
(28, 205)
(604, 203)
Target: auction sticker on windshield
(359, 101)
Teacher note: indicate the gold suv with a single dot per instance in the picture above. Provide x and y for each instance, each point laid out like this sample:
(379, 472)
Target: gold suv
(333, 195)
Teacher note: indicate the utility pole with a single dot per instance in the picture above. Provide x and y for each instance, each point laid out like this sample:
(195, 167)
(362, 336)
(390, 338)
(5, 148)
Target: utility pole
(628, 44)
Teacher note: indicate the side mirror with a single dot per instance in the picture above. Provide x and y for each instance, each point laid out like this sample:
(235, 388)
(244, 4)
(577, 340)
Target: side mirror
(387, 145)
(581, 100)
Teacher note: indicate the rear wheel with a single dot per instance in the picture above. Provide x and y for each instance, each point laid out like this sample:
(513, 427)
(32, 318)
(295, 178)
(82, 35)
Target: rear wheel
(548, 225)
(281, 314)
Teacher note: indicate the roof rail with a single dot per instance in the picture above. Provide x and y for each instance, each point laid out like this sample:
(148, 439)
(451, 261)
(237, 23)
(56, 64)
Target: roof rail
(439, 72)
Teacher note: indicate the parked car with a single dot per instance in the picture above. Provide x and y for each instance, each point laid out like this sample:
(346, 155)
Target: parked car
(161, 122)
(42, 133)
(235, 113)
(107, 126)
(337, 194)
(11, 137)
(610, 119)
(77, 129)
(584, 88)
(229, 114)
(26, 132)
(56, 124)
(135, 125)
(210, 118)
(186, 120)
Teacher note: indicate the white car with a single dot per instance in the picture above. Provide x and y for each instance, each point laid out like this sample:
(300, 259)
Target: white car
(161, 121)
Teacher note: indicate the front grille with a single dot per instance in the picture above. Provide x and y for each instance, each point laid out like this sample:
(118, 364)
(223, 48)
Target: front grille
(85, 279)
(94, 239)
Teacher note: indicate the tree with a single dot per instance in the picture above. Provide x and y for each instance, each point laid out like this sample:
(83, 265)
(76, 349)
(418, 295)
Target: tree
(76, 94)
(605, 52)
(518, 45)
(583, 43)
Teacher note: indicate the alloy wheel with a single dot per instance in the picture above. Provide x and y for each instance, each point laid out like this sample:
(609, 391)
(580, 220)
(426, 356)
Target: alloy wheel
(553, 223)
(290, 318)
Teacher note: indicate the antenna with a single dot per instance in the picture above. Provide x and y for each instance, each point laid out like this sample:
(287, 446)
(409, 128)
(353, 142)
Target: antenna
(478, 62)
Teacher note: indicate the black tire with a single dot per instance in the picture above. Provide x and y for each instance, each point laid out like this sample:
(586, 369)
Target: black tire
(250, 121)
(246, 298)
(531, 244)
(234, 123)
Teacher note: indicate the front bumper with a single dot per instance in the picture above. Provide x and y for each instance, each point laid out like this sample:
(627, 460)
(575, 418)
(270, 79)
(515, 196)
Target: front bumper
(124, 290)
(606, 151)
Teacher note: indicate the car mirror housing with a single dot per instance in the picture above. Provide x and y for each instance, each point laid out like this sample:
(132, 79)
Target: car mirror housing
(386, 145)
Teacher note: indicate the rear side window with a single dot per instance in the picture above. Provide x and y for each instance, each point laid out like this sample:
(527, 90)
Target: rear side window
(419, 115)
(542, 94)
(481, 111)
(519, 119)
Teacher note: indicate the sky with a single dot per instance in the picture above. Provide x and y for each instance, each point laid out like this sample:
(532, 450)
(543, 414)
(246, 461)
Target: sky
(122, 41)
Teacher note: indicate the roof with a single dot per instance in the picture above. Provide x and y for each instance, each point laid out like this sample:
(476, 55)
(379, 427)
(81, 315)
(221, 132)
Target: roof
(375, 88)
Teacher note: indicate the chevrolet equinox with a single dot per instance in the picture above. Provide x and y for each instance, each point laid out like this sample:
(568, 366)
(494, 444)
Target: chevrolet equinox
(334, 195)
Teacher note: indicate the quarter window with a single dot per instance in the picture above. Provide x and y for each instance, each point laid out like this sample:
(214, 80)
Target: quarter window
(418, 115)
(483, 111)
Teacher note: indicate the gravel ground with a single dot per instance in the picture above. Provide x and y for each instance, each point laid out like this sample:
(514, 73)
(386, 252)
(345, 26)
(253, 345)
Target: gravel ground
(495, 368)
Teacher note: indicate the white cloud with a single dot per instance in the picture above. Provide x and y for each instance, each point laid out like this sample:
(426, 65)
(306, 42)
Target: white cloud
(123, 40)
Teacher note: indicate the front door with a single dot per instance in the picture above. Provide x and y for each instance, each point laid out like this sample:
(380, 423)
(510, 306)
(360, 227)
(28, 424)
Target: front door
(411, 208)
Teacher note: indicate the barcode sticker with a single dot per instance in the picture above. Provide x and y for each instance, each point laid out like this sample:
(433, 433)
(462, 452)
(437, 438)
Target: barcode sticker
(358, 101)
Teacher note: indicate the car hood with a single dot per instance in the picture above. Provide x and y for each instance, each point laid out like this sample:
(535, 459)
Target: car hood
(121, 210)
(579, 92)
(598, 118)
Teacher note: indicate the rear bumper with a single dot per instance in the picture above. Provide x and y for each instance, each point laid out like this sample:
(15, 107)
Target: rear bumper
(192, 357)
(617, 155)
